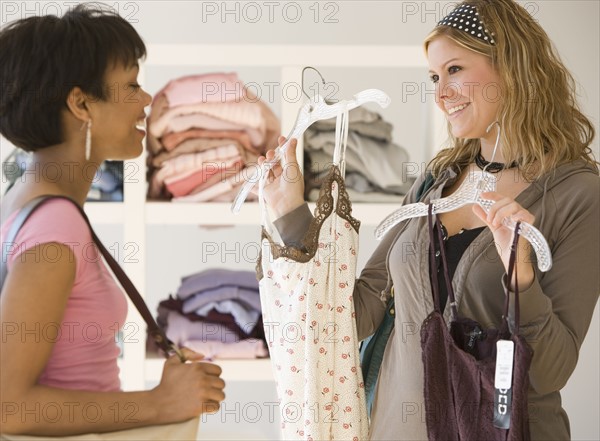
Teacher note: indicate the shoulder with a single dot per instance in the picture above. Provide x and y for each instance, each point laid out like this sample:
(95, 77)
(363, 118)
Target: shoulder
(575, 184)
(56, 220)
(572, 195)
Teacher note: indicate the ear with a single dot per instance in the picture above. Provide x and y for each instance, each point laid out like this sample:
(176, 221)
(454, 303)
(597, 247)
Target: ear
(77, 104)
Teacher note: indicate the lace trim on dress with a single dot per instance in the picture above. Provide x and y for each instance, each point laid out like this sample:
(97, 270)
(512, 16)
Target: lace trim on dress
(324, 208)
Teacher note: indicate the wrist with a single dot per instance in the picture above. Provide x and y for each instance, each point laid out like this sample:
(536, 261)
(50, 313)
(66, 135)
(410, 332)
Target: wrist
(286, 207)
(157, 405)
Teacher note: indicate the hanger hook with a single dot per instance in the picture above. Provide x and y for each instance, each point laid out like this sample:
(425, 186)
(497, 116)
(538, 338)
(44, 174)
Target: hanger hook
(497, 141)
(322, 79)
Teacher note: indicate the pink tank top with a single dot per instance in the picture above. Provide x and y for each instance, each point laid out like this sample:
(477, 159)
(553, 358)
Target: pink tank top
(84, 355)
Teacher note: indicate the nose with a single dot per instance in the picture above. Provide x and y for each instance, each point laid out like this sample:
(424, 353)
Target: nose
(446, 91)
(147, 98)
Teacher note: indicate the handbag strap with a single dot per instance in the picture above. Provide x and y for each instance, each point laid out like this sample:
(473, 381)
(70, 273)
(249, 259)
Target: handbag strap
(434, 276)
(512, 267)
(154, 330)
(435, 284)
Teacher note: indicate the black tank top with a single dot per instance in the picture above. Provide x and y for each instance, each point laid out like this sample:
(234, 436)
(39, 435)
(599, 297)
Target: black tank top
(455, 247)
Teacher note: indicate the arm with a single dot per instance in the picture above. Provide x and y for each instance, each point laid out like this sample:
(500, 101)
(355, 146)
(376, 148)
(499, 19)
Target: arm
(29, 408)
(557, 308)
(293, 226)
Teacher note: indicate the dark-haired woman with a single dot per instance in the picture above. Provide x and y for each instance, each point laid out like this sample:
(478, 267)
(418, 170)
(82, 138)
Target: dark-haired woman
(70, 96)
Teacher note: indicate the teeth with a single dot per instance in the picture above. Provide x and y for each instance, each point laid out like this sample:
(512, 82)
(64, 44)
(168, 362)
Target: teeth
(456, 109)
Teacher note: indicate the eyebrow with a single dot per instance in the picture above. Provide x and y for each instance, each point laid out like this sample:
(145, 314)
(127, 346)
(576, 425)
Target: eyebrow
(445, 64)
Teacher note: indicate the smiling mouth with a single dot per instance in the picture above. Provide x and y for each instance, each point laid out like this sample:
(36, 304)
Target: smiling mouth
(456, 109)
(140, 124)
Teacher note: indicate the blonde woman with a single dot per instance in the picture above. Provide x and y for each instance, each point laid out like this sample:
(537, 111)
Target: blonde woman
(501, 67)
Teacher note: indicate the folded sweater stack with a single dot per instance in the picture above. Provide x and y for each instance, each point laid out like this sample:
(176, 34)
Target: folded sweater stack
(205, 132)
(216, 312)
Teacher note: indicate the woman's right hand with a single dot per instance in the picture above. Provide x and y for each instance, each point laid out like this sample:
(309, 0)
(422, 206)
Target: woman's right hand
(284, 188)
(187, 390)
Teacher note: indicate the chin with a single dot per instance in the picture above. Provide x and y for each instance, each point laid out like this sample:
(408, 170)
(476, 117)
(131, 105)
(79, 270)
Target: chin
(132, 151)
(464, 134)
(460, 134)
(126, 155)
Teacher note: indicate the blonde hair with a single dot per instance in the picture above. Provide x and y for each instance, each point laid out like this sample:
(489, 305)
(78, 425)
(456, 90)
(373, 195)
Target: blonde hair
(542, 125)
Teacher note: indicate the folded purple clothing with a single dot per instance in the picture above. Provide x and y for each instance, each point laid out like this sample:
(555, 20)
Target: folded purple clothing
(180, 329)
(243, 349)
(227, 320)
(215, 278)
(249, 297)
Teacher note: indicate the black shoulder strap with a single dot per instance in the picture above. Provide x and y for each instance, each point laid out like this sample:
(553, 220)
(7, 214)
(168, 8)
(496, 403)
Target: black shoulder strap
(153, 329)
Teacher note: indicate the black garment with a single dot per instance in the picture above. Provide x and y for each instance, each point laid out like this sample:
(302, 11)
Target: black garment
(455, 247)
(461, 400)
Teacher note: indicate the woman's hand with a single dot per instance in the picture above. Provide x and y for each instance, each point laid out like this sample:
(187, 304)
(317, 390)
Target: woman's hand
(188, 389)
(505, 207)
(284, 188)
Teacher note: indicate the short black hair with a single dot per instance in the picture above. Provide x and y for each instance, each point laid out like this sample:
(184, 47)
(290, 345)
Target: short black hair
(43, 58)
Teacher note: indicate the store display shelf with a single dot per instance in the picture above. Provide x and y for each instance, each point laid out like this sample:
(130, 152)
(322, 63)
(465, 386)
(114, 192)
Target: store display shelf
(211, 213)
(105, 212)
(257, 369)
(168, 213)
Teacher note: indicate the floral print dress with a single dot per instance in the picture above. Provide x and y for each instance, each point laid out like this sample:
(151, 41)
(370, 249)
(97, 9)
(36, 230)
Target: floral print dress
(309, 320)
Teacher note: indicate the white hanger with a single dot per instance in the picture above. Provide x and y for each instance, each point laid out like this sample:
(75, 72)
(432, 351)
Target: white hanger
(469, 192)
(315, 110)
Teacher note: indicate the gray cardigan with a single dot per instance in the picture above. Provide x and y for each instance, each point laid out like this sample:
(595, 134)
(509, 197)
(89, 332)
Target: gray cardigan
(555, 311)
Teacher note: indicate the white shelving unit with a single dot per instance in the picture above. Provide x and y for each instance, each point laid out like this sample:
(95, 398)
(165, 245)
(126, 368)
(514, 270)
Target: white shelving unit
(139, 371)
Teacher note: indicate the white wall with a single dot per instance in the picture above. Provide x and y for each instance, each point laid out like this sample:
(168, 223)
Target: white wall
(572, 25)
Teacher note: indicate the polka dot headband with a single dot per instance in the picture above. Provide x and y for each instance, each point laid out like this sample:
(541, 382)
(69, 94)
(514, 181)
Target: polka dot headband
(466, 18)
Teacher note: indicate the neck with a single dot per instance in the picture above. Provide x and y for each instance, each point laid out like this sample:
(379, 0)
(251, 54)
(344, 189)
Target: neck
(62, 168)
(487, 148)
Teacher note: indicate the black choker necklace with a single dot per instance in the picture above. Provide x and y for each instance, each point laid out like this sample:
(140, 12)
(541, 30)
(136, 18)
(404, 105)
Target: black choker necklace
(492, 167)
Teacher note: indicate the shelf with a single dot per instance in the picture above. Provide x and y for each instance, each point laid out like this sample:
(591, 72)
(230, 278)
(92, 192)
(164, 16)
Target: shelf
(215, 213)
(278, 55)
(168, 213)
(257, 369)
(369, 214)
(105, 212)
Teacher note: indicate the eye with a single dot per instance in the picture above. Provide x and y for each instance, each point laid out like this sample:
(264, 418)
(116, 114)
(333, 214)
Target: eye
(434, 78)
(454, 69)
(135, 86)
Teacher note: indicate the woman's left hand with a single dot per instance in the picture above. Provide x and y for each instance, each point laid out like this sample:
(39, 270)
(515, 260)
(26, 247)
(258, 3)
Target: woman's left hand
(505, 207)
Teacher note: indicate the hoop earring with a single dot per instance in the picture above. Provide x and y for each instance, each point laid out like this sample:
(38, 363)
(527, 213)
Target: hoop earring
(88, 140)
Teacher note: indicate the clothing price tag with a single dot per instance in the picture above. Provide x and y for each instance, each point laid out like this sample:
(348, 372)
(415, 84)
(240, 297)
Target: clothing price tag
(503, 383)
(502, 408)
(504, 364)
